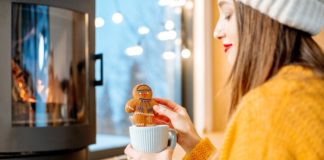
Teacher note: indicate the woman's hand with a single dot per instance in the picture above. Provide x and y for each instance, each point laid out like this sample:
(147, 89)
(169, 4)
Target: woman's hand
(177, 118)
(134, 155)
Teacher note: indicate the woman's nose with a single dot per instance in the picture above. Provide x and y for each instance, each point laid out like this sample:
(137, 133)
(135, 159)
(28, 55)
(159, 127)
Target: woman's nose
(218, 33)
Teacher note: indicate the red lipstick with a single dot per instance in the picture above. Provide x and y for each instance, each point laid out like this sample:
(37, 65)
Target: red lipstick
(227, 47)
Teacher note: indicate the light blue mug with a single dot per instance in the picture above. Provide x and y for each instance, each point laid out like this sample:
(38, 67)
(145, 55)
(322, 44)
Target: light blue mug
(152, 139)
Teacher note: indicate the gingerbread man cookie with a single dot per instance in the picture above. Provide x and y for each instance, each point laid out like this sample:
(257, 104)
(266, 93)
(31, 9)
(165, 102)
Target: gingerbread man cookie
(141, 106)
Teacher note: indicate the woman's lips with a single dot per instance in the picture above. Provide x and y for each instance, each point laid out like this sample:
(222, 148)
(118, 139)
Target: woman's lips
(227, 47)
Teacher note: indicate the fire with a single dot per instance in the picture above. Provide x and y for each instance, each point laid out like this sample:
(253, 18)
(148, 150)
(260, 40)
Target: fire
(24, 92)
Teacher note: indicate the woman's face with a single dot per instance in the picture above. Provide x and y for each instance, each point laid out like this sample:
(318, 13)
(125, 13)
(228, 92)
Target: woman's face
(226, 29)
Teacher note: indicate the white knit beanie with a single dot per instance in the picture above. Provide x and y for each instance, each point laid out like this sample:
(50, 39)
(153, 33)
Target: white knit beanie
(305, 15)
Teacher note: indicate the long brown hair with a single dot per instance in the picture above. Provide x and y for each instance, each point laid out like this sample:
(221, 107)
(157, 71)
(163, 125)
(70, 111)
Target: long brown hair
(265, 46)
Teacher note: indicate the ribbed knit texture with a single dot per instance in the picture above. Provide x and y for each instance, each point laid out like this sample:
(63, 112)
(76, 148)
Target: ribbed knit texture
(281, 119)
(149, 139)
(305, 15)
(202, 150)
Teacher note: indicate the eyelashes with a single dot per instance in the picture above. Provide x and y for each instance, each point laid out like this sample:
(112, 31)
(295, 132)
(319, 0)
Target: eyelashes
(228, 16)
(227, 13)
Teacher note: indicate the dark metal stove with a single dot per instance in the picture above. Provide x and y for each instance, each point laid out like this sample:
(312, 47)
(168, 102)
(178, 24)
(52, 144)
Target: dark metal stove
(47, 95)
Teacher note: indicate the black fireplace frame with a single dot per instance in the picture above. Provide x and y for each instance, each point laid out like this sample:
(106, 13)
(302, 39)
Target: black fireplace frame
(26, 140)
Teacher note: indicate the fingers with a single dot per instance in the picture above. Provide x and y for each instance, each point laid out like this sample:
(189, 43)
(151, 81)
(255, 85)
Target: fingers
(168, 152)
(171, 105)
(166, 112)
(130, 152)
(167, 103)
(162, 120)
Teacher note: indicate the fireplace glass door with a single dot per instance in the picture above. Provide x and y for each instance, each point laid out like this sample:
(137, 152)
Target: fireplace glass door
(49, 67)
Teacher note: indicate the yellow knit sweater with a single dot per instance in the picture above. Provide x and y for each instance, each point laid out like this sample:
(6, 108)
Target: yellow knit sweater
(281, 119)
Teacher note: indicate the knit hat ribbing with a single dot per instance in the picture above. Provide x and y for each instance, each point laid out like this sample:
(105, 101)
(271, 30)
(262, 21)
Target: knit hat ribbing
(306, 15)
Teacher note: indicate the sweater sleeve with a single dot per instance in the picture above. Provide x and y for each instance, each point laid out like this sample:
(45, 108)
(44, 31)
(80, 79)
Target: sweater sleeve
(281, 120)
(202, 151)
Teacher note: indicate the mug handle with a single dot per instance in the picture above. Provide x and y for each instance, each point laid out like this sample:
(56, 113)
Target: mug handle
(172, 142)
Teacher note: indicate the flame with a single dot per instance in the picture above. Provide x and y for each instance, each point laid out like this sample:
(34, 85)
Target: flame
(24, 92)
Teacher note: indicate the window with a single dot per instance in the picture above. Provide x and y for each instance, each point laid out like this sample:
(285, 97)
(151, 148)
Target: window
(141, 43)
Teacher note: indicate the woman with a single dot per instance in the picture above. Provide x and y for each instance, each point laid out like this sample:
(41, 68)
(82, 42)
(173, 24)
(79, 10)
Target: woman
(277, 109)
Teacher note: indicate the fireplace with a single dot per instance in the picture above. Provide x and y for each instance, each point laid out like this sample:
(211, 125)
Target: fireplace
(47, 98)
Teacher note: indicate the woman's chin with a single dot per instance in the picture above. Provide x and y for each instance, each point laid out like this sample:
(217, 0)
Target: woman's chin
(230, 60)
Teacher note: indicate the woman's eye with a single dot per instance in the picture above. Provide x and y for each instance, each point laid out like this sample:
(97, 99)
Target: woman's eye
(228, 16)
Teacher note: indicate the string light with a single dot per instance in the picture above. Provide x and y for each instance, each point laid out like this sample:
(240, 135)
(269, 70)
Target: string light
(164, 2)
(172, 3)
(186, 53)
(143, 30)
(99, 22)
(168, 55)
(117, 18)
(189, 5)
(134, 50)
(169, 25)
(167, 35)
(177, 3)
